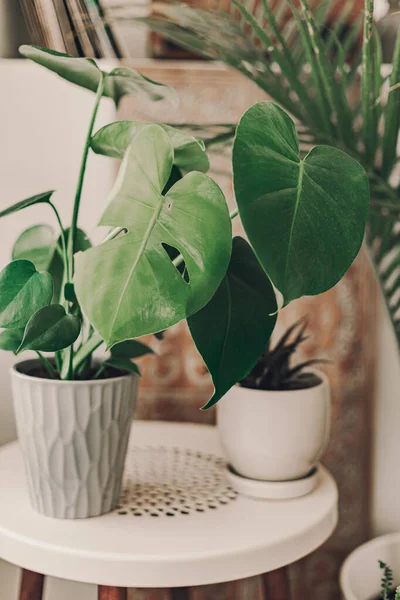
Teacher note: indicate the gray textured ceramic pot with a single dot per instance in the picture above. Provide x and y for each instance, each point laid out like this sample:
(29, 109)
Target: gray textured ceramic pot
(74, 437)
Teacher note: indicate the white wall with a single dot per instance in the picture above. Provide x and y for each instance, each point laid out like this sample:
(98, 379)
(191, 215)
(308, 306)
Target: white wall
(43, 124)
(386, 453)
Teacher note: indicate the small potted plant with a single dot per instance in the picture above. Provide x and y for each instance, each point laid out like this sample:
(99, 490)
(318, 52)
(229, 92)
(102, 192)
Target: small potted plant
(168, 256)
(359, 581)
(274, 425)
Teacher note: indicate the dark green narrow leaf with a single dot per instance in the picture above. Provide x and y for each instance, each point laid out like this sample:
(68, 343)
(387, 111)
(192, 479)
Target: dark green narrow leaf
(368, 87)
(50, 329)
(282, 59)
(232, 330)
(123, 365)
(392, 115)
(334, 90)
(315, 74)
(130, 349)
(39, 198)
(23, 291)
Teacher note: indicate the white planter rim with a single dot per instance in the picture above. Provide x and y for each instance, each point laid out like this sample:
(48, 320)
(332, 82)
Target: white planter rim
(47, 381)
(347, 566)
(320, 374)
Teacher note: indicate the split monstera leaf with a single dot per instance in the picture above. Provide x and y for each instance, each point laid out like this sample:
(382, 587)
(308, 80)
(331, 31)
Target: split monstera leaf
(169, 255)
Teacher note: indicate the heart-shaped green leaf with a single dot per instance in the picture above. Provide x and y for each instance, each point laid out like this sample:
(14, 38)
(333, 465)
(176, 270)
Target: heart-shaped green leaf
(10, 339)
(85, 73)
(40, 245)
(23, 291)
(304, 218)
(114, 139)
(50, 329)
(38, 199)
(123, 365)
(233, 329)
(37, 244)
(130, 349)
(128, 286)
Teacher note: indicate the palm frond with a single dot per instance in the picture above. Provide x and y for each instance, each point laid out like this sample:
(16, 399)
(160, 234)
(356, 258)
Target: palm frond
(392, 115)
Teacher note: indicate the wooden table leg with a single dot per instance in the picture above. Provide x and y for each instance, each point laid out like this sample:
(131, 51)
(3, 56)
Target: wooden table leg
(106, 592)
(31, 587)
(181, 593)
(277, 584)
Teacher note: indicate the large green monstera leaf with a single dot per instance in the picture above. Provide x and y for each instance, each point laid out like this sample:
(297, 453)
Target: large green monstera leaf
(233, 329)
(304, 218)
(114, 139)
(84, 72)
(128, 286)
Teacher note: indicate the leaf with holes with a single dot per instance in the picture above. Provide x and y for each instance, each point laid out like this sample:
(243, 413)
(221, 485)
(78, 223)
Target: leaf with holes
(232, 330)
(114, 139)
(84, 72)
(304, 218)
(23, 291)
(128, 286)
(50, 329)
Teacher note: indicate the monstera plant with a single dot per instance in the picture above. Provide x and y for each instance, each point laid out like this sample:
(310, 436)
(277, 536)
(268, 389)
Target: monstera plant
(169, 254)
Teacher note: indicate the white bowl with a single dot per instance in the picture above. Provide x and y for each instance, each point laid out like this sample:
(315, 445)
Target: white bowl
(360, 574)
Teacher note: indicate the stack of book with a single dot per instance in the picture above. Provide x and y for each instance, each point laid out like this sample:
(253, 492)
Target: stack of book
(77, 27)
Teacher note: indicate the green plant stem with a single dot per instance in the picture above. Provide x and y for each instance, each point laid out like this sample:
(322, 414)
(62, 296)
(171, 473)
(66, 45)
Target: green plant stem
(78, 194)
(67, 370)
(366, 82)
(58, 359)
(86, 349)
(47, 365)
(63, 237)
(99, 371)
(113, 234)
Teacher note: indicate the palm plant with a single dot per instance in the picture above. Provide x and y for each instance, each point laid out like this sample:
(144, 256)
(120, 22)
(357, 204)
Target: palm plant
(311, 70)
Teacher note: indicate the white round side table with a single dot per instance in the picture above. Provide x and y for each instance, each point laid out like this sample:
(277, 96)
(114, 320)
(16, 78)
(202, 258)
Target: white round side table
(179, 524)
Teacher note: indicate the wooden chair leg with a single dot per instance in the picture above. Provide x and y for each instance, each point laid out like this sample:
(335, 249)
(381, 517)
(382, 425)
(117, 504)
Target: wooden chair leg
(106, 592)
(31, 587)
(277, 584)
(181, 593)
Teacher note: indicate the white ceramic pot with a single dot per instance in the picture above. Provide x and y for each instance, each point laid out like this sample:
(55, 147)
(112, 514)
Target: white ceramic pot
(74, 437)
(360, 575)
(275, 435)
